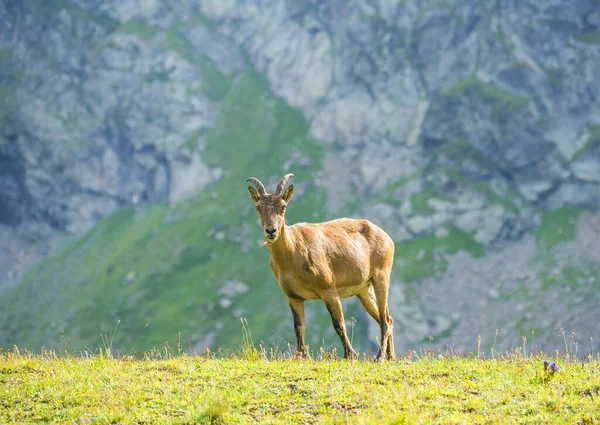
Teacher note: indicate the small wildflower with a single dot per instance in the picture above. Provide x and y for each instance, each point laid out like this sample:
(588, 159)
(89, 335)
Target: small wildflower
(550, 366)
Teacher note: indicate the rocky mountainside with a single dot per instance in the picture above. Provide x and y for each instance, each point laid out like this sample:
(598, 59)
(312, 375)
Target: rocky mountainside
(469, 131)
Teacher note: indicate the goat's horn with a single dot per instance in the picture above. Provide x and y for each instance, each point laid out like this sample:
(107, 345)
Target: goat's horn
(258, 184)
(282, 183)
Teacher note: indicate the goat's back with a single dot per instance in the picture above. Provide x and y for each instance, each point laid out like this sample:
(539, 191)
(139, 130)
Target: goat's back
(352, 249)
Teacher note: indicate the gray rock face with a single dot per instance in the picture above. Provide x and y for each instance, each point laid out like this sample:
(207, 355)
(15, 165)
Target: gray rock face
(507, 290)
(396, 85)
(13, 194)
(475, 88)
(94, 117)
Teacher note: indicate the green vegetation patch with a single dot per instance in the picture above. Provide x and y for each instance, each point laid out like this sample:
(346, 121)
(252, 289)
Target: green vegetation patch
(574, 275)
(423, 257)
(139, 27)
(510, 202)
(580, 274)
(591, 37)
(592, 140)
(199, 18)
(419, 201)
(459, 150)
(446, 4)
(7, 102)
(215, 84)
(488, 91)
(559, 225)
(193, 139)
(387, 196)
(201, 390)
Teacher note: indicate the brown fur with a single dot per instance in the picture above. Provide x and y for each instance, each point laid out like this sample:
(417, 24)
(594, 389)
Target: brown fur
(328, 261)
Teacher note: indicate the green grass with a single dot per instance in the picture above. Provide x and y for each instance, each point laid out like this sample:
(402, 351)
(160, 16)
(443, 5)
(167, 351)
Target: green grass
(559, 225)
(488, 91)
(572, 275)
(581, 275)
(419, 201)
(139, 27)
(592, 37)
(193, 139)
(427, 388)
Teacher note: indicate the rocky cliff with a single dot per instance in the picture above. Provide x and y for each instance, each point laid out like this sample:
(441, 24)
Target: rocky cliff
(469, 131)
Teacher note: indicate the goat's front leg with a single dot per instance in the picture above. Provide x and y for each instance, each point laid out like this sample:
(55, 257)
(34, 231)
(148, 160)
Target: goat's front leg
(334, 306)
(297, 307)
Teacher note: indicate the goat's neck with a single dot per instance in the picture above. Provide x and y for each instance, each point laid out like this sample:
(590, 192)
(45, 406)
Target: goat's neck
(281, 249)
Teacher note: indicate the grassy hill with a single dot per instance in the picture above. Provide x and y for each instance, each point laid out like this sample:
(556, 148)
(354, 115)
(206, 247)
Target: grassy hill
(257, 387)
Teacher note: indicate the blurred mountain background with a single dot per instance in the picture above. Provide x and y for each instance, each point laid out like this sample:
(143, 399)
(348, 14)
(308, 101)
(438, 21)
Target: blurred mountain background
(469, 131)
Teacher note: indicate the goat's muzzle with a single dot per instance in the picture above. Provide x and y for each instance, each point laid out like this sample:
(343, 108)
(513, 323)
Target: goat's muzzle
(271, 234)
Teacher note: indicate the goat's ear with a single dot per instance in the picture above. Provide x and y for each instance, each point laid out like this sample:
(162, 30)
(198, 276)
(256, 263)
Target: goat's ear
(287, 195)
(253, 194)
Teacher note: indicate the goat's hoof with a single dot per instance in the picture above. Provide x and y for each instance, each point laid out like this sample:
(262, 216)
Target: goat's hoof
(300, 355)
(383, 357)
(352, 355)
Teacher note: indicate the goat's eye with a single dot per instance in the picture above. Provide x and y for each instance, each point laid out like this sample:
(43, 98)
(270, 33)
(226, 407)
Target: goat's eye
(257, 208)
(283, 208)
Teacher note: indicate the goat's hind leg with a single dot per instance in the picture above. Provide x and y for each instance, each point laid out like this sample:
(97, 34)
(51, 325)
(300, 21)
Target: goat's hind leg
(334, 306)
(381, 284)
(369, 302)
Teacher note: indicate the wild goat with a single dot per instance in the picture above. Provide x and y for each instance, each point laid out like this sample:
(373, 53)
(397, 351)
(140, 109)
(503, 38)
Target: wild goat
(327, 261)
